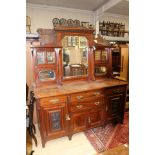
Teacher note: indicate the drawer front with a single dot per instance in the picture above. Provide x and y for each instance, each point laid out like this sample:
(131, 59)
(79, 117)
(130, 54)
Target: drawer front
(52, 100)
(85, 96)
(115, 90)
(87, 105)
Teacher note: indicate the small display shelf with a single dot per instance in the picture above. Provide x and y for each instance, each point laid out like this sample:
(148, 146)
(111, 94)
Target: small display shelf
(113, 29)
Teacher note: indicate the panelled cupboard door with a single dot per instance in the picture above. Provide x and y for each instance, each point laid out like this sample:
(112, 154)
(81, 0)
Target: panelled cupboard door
(55, 120)
(79, 121)
(96, 118)
(115, 106)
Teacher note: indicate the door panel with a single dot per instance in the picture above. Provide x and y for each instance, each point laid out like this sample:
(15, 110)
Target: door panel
(116, 106)
(79, 122)
(96, 117)
(55, 122)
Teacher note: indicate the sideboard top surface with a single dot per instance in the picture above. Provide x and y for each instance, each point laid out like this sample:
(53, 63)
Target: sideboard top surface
(75, 87)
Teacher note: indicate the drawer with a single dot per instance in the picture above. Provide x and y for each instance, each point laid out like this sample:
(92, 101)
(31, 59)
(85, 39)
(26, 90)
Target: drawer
(85, 96)
(86, 100)
(96, 103)
(87, 105)
(115, 90)
(53, 100)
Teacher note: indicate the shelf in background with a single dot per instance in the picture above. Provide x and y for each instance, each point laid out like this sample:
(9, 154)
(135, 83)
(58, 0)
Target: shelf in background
(109, 38)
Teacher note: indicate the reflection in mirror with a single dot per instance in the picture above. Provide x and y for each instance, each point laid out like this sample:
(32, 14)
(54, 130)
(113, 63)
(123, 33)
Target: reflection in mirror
(101, 55)
(100, 70)
(97, 55)
(46, 75)
(104, 56)
(75, 56)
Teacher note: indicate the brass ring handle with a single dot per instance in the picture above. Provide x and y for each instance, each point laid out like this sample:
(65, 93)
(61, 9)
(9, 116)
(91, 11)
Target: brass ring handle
(97, 103)
(54, 101)
(79, 97)
(117, 91)
(97, 93)
(79, 106)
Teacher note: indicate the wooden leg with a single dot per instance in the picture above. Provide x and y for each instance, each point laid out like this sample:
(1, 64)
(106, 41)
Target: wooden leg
(43, 143)
(32, 152)
(70, 137)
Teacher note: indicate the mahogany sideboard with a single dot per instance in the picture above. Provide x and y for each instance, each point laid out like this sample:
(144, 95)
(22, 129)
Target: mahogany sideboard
(70, 108)
(74, 87)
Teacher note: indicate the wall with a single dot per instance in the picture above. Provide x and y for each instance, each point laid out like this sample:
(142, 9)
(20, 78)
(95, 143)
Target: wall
(41, 16)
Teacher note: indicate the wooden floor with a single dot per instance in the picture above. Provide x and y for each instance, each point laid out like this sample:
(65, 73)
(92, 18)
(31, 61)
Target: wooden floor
(79, 145)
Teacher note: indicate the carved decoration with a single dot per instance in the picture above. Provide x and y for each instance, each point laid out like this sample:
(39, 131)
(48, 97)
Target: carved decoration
(101, 40)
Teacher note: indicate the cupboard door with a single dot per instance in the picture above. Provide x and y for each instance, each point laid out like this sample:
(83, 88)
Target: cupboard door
(96, 118)
(55, 120)
(115, 106)
(79, 121)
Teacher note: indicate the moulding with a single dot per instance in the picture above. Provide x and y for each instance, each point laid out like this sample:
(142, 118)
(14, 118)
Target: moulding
(109, 38)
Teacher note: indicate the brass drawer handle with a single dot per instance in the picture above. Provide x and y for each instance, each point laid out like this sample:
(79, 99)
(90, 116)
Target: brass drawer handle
(67, 117)
(97, 93)
(117, 91)
(79, 106)
(79, 97)
(54, 100)
(97, 103)
(116, 98)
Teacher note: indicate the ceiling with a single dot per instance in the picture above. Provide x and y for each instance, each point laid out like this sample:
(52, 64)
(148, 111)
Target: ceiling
(122, 7)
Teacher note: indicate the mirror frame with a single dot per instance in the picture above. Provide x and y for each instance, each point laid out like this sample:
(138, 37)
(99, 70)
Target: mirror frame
(79, 76)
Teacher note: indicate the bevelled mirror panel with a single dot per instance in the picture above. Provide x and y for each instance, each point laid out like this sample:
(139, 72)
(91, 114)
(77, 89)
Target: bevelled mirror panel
(46, 75)
(75, 56)
(50, 57)
(41, 58)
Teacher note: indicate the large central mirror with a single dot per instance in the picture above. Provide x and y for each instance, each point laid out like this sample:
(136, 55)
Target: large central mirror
(75, 56)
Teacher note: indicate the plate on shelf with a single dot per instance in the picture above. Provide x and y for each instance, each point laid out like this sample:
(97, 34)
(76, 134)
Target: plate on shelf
(70, 22)
(76, 23)
(55, 21)
(63, 22)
